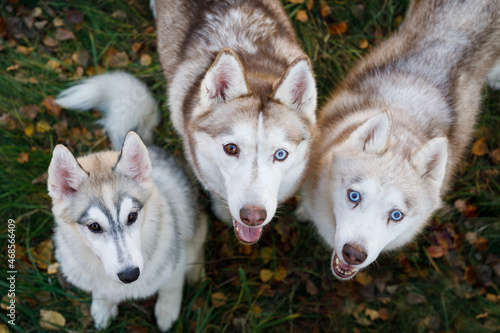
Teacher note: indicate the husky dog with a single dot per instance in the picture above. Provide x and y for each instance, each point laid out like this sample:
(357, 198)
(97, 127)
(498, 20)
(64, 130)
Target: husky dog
(126, 222)
(393, 132)
(242, 96)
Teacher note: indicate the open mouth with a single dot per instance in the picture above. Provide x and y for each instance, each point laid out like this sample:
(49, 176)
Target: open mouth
(341, 270)
(246, 234)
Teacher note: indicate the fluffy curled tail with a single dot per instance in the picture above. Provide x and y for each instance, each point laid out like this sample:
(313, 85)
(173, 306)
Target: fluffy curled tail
(125, 101)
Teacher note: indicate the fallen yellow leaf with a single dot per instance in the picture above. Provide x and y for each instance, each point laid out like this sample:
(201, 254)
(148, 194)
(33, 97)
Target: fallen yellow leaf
(266, 275)
(28, 131)
(51, 320)
(218, 299)
(480, 148)
(301, 15)
(23, 157)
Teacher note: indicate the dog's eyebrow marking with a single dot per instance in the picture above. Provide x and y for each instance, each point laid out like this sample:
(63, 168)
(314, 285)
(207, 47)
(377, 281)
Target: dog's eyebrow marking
(409, 203)
(355, 180)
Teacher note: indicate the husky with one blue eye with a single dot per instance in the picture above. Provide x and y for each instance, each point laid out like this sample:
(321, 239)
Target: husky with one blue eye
(127, 226)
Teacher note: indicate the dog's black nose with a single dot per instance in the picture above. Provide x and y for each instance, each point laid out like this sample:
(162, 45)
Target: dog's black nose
(129, 275)
(353, 254)
(253, 216)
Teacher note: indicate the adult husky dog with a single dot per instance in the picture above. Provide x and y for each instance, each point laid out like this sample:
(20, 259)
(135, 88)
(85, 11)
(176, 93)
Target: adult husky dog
(393, 132)
(242, 96)
(126, 222)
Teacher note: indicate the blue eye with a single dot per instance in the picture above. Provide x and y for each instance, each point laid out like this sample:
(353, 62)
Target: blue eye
(397, 215)
(281, 155)
(354, 196)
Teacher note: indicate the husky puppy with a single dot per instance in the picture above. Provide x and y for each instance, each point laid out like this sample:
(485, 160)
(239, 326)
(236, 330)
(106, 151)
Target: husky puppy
(126, 222)
(242, 96)
(394, 131)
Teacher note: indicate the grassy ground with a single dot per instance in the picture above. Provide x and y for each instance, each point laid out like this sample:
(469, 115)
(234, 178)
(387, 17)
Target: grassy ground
(448, 281)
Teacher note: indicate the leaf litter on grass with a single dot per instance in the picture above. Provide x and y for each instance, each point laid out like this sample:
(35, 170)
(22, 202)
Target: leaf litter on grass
(454, 263)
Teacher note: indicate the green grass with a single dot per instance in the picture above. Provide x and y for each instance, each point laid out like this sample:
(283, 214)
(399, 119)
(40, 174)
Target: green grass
(307, 299)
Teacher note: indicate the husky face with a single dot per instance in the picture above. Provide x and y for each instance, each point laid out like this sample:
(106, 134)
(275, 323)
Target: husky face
(381, 197)
(103, 196)
(252, 152)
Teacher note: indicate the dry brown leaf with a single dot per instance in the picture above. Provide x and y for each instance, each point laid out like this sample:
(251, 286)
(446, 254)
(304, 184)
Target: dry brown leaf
(296, 1)
(482, 315)
(310, 4)
(113, 58)
(470, 275)
(37, 12)
(257, 311)
(414, 299)
(482, 244)
(58, 22)
(49, 41)
(471, 237)
(42, 179)
(74, 16)
(33, 80)
(363, 44)
(137, 47)
(280, 273)
(41, 24)
(265, 275)
(4, 328)
(51, 106)
(6, 121)
(43, 254)
(3, 27)
(363, 278)
(471, 211)
(460, 205)
(13, 68)
(23, 157)
(149, 30)
(80, 58)
(311, 288)
(480, 148)
(42, 127)
(29, 111)
(64, 34)
(373, 314)
(51, 320)
(52, 268)
(325, 10)
(92, 70)
(53, 64)
(436, 251)
(301, 15)
(145, 59)
(383, 314)
(338, 28)
(218, 299)
(24, 50)
(266, 254)
(495, 156)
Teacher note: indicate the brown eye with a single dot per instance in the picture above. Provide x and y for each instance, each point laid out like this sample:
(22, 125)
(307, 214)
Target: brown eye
(95, 227)
(132, 217)
(231, 149)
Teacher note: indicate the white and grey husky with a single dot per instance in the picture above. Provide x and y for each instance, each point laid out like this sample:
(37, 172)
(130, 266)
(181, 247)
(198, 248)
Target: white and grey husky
(242, 96)
(393, 132)
(126, 222)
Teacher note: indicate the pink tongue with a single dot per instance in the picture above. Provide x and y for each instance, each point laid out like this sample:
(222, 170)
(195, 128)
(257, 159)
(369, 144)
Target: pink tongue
(247, 234)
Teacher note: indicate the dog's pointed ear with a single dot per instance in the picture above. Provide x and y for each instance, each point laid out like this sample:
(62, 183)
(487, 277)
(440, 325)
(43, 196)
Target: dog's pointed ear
(225, 80)
(134, 159)
(430, 160)
(65, 174)
(373, 136)
(297, 88)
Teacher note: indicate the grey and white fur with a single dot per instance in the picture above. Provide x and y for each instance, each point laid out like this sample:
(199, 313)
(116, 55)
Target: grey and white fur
(127, 224)
(394, 131)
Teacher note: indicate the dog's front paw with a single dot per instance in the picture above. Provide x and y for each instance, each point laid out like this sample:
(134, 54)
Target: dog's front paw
(102, 312)
(166, 314)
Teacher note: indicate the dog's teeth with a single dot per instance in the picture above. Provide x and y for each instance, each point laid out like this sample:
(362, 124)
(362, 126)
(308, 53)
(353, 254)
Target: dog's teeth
(337, 260)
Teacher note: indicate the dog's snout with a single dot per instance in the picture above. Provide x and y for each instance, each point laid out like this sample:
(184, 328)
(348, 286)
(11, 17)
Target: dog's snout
(129, 275)
(354, 254)
(253, 216)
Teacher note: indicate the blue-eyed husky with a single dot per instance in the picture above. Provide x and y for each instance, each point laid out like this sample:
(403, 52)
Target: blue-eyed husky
(393, 132)
(126, 222)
